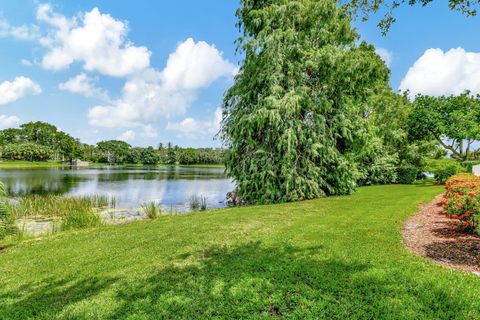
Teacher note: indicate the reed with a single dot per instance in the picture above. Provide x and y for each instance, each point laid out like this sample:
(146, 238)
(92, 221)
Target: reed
(198, 203)
(152, 210)
(75, 212)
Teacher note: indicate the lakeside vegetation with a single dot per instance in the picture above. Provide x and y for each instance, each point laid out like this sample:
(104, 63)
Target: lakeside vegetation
(39, 143)
(334, 257)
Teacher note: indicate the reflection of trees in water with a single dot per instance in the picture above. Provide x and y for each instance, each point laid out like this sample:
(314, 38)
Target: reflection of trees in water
(41, 184)
(165, 173)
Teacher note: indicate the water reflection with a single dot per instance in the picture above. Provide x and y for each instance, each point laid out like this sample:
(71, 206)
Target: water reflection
(131, 186)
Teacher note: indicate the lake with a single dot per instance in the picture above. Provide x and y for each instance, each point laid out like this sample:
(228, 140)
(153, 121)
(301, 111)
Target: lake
(171, 186)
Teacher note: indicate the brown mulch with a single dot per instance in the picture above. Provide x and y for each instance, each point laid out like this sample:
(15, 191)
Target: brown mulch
(429, 234)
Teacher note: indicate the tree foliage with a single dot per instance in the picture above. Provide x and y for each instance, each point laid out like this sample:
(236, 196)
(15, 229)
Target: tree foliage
(298, 113)
(453, 121)
(366, 7)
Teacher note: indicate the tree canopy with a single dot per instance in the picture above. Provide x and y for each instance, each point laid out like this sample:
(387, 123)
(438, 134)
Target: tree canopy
(453, 121)
(298, 111)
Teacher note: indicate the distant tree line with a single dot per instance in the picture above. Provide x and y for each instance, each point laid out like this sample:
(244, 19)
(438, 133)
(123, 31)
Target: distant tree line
(40, 141)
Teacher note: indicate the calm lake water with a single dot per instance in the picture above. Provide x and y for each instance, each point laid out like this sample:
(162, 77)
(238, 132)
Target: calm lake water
(131, 186)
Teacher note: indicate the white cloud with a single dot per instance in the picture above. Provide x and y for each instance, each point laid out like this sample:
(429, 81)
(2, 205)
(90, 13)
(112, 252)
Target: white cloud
(386, 55)
(191, 128)
(83, 85)
(149, 131)
(438, 73)
(11, 91)
(95, 39)
(128, 135)
(195, 65)
(26, 62)
(22, 32)
(152, 94)
(9, 121)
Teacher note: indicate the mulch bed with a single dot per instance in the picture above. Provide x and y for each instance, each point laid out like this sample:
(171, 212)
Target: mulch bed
(429, 234)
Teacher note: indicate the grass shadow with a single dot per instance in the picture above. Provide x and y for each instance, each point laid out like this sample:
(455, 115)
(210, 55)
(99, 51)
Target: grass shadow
(257, 281)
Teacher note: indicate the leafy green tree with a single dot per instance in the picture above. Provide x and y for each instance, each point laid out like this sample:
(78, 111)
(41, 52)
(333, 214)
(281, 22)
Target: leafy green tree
(39, 132)
(149, 156)
(296, 113)
(114, 151)
(453, 121)
(365, 7)
(187, 156)
(11, 135)
(170, 154)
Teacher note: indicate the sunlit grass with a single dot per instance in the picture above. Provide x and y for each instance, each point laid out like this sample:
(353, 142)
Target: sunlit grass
(332, 258)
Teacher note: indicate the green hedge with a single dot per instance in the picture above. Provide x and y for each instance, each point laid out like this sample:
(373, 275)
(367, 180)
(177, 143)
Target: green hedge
(442, 169)
(406, 174)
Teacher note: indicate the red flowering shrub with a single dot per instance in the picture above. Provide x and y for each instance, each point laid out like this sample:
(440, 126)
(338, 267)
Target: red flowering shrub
(461, 201)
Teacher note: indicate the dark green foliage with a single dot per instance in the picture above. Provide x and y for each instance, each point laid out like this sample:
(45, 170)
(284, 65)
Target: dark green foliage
(443, 169)
(39, 138)
(114, 151)
(406, 174)
(297, 113)
(149, 156)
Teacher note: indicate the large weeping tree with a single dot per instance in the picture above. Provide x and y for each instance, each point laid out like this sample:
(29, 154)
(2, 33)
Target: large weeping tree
(298, 109)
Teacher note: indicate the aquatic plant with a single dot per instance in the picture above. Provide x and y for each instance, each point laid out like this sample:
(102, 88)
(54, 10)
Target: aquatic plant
(7, 219)
(198, 203)
(152, 210)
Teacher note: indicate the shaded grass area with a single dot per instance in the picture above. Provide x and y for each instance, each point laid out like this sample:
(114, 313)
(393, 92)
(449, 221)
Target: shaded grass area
(339, 257)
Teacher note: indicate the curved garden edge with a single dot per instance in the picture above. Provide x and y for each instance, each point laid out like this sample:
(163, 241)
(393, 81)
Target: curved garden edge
(429, 234)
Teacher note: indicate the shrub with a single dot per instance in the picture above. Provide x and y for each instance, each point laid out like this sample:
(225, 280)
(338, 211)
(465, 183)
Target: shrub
(407, 174)
(442, 169)
(461, 201)
(467, 165)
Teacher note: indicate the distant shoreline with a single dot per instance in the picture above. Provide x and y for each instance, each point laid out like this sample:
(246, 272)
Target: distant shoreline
(54, 164)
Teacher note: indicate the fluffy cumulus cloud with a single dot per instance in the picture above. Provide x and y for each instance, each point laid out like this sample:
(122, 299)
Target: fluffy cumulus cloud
(152, 93)
(83, 85)
(191, 128)
(126, 136)
(11, 91)
(437, 73)
(95, 39)
(386, 55)
(9, 121)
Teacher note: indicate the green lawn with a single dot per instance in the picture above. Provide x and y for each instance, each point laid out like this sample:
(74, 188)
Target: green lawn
(29, 164)
(339, 257)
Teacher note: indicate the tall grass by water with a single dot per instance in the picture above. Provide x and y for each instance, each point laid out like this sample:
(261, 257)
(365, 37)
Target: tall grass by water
(198, 203)
(74, 212)
(152, 210)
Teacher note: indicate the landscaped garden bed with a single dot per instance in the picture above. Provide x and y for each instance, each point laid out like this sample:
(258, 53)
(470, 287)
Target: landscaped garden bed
(446, 230)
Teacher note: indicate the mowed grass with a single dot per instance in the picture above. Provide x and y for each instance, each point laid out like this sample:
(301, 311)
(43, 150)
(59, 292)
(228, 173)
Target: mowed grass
(20, 164)
(338, 257)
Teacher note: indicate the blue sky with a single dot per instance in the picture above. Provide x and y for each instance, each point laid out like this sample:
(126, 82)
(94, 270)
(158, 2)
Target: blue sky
(155, 71)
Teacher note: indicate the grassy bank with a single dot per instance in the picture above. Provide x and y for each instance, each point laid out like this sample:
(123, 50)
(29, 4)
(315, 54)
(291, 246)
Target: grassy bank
(337, 257)
(30, 164)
